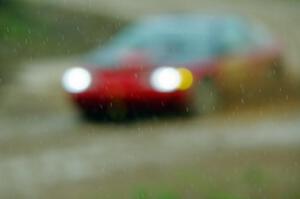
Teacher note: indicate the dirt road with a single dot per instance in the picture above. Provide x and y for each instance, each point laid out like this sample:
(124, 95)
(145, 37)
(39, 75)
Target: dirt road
(44, 144)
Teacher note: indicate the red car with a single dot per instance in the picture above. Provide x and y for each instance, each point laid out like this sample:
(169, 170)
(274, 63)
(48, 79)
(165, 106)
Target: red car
(173, 62)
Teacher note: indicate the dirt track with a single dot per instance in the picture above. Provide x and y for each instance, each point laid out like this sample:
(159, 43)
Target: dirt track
(44, 143)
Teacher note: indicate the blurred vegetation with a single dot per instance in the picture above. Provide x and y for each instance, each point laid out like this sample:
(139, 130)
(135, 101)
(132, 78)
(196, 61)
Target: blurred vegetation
(4, 3)
(245, 183)
(142, 194)
(30, 31)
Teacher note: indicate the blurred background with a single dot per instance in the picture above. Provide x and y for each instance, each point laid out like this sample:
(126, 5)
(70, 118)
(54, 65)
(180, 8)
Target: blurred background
(48, 152)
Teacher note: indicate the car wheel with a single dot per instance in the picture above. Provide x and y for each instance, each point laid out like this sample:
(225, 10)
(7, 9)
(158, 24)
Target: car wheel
(207, 97)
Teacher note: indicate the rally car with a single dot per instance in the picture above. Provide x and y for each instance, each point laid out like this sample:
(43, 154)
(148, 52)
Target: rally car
(173, 62)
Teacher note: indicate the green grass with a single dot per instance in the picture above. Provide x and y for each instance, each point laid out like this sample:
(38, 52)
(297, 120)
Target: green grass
(142, 194)
(222, 182)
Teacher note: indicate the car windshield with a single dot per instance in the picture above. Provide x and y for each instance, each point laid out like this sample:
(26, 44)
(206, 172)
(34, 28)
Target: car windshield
(165, 43)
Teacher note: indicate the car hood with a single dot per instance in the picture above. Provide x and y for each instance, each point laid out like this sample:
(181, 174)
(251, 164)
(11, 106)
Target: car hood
(118, 79)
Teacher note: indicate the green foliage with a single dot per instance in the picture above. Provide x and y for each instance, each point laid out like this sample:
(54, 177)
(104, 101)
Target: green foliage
(142, 194)
(222, 195)
(254, 177)
(6, 3)
(168, 195)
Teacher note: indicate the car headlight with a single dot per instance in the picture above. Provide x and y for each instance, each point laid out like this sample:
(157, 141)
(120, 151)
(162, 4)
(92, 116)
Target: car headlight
(168, 79)
(76, 80)
(165, 79)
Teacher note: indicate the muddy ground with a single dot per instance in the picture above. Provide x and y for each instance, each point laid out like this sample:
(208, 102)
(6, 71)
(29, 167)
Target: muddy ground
(245, 151)
(47, 149)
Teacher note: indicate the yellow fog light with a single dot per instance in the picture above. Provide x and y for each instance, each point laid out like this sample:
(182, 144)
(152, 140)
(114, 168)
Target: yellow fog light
(186, 78)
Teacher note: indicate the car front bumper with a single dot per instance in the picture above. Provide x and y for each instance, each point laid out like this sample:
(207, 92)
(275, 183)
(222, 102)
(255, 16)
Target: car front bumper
(143, 100)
